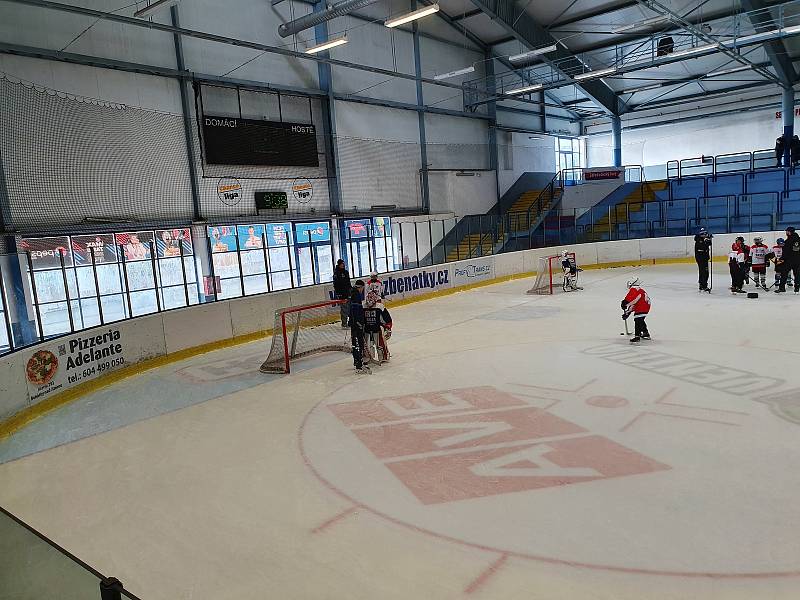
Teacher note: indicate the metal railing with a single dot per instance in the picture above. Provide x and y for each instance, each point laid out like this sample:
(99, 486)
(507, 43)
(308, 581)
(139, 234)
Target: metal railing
(34, 566)
(720, 164)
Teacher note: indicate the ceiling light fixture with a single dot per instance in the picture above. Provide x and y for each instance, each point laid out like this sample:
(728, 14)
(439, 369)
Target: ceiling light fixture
(412, 16)
(527, 88)
(154, 7)
(695, 50)
(532, 53)
(729, 71)
(331, 43)
(641, 24)
(594, 74)
(464, 71)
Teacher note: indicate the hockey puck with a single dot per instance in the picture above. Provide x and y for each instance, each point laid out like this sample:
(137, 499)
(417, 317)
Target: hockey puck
(752, 294)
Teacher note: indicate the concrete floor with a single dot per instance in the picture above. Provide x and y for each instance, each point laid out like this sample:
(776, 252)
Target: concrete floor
(515, 447)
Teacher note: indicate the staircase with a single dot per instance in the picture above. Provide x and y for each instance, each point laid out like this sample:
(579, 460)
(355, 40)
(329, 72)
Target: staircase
(531, 207)
(620, 212)
(476, 244)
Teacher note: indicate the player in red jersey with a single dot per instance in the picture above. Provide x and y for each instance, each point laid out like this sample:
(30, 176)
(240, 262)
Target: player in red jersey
(637, 302)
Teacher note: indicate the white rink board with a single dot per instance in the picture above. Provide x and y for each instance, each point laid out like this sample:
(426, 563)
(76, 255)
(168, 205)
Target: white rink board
(172, 331)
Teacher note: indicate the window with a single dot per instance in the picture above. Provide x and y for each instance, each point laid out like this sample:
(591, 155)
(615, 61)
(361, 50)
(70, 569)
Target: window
(568, 157)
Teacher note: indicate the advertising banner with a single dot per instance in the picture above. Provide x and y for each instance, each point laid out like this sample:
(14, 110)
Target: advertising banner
(404, 284)
(223, 238)
(278, 234)
(604, 174)
(312, 232)
(63, 363)
(467, 272)
(45, 251)
(357, 229)
(135, 244)
(102, 245)
(251, 237)
(169, 241)
(381, 227)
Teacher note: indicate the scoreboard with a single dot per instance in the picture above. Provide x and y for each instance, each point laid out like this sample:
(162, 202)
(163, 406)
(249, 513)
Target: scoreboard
(233, 141)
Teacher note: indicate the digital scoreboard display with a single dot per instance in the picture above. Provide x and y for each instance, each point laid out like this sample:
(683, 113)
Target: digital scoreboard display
(230, 141)
(271, 200)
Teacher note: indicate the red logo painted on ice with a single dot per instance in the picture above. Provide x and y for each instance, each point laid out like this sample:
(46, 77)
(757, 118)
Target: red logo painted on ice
(476, 442)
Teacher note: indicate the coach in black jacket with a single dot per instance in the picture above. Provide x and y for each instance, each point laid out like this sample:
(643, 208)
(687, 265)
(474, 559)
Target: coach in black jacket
(702, 254)
(790, 260)
(341, 289)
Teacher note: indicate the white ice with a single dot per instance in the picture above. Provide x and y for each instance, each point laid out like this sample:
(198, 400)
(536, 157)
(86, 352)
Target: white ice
(515, 447)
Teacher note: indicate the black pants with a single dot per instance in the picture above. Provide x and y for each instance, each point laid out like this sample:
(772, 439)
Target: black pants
(785, 270)
(344, 308)
(702, 268)
(357, 340)
(639, 326)
(737, 275)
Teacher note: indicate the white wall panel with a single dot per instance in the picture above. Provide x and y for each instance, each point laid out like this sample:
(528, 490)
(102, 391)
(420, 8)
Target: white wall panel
(197, 325)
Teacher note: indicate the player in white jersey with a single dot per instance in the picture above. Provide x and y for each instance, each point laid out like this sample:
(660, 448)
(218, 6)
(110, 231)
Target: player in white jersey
(777, 253)
(758, 262)
(373, 291)
(570, 272)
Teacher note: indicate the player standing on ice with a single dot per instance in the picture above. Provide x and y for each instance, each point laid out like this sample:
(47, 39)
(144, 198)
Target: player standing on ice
(373, 292)
(357, 327)
(776, 257)
(736, 266)
(746, 265)
(758, 262)
(570, 272)
(702, 254)
(637, 302)
(790, 260)
(378, 322)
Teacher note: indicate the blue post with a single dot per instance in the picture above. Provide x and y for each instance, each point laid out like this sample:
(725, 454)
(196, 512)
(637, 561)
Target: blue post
(23, 327)
(787, 106)
(423, 148)
(616, 140)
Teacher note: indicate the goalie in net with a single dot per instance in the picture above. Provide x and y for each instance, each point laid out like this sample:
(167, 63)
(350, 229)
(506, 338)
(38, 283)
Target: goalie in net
(303, 330)
(557, 272)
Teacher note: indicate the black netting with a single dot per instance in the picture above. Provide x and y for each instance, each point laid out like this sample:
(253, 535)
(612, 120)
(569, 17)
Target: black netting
(70, 161)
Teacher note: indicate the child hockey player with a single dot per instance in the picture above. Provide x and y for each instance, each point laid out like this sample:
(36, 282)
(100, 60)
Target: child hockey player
(373, 292)
(357, 327)
(736, 266)
(746, 265)
(637, 302)
(758, 262)
(776, 257)
(378, 322)
(570, 272)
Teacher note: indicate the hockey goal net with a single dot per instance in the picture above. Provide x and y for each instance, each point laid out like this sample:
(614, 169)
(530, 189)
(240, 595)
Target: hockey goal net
(303, 330)
(550, 274)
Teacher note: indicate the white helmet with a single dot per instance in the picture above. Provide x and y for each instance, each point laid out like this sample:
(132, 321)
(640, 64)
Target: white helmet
(564, 253)
(633, 282)
(758, 240)
(373, 274)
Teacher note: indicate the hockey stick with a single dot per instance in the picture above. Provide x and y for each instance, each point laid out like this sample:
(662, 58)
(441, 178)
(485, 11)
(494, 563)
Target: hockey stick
(710, 265)
(627, 331)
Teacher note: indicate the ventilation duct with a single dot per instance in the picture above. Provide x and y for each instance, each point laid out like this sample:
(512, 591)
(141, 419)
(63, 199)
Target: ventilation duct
(311, 20)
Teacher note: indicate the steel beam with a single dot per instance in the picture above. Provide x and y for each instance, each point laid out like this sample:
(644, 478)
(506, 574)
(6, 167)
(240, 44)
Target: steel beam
(226, 40)
(761, 19)
(524, 29)
(423, 141)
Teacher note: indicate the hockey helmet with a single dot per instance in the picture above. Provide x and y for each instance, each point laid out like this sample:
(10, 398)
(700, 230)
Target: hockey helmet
(633, 282)
(564, 253)
(736, 245)
(702, 231)
(373, 275)
(790, 230)
(758, 240)
(780, 241)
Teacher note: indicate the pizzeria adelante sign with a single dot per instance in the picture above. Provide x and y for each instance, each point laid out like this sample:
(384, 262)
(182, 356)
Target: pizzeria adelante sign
(72, 360)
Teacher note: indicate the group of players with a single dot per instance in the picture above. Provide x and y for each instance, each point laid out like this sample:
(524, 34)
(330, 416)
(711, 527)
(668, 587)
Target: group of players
(363, 311)
(750, 263)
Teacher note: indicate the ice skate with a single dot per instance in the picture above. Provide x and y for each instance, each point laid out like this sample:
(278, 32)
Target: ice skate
(635, 339)
(645, 336)
(364, 370)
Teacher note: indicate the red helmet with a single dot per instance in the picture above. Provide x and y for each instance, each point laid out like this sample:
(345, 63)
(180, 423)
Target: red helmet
(736, 246)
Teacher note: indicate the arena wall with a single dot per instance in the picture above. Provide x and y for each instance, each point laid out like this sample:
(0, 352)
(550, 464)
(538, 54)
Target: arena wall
(97, 357)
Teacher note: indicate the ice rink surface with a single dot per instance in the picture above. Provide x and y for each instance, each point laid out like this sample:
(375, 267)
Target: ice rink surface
(515, 447)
